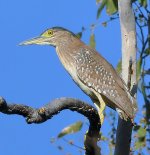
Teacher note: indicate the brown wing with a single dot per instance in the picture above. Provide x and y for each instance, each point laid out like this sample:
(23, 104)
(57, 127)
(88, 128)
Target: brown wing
(94, 71)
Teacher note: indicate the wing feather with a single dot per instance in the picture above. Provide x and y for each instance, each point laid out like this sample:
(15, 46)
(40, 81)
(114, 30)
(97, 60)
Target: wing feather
(94, 71)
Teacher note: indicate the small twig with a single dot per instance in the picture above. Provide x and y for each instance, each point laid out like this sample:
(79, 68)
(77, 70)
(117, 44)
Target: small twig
(110, 19)
(72, 144)
(147, 87)
(146, 72)
(139, 8)
(141, 30)
(148, 24)
(48, 111)
(144, 46)
(148, 11)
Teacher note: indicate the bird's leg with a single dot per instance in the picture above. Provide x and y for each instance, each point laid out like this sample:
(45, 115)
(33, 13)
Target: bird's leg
(100, 105)
(101, 109)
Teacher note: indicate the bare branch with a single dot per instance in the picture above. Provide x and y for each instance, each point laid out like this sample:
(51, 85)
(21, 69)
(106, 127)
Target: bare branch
(146, 72)
(49, 110)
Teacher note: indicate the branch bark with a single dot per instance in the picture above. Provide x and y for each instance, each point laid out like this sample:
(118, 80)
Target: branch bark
(49, 110)
(128, 31)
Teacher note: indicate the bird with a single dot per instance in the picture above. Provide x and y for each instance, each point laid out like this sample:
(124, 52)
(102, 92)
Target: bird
(94, 75)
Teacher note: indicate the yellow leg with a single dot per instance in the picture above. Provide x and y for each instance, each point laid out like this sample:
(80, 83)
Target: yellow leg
(102, 118)
(100, 105)
(101, 109)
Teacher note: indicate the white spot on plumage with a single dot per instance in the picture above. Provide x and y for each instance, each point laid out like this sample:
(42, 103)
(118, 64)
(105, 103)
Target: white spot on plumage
(104, 92)
(82, 69)
(113, 95)
(89, 84)
(99, 90)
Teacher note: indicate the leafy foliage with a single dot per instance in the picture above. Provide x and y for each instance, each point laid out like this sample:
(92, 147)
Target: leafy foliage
(111, 7)
(143, 3)
(101, 7)
(141, 140)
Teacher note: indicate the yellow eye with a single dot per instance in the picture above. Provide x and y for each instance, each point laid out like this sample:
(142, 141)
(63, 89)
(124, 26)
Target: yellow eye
(50, 32)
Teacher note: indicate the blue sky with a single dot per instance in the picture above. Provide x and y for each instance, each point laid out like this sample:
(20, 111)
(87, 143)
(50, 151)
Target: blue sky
(34, 76)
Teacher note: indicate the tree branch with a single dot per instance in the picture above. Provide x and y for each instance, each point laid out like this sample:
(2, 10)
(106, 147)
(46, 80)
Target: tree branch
(49, 110)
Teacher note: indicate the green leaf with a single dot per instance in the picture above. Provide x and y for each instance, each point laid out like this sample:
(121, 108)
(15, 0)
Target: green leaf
(141, 141)
(139, 145)
(111, 7)
(119, 66)
(79, 35)
(143, 3)
(101, 7)
(71, 129)
(110, 149)
(147, 51)
(141, 132)
(139, 67)
(92, 41)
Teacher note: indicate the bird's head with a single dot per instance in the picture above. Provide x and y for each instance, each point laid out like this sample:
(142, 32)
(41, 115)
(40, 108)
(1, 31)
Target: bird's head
(52, 36)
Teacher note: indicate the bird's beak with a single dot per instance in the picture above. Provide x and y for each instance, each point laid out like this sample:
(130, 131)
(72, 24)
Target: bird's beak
(37, 40)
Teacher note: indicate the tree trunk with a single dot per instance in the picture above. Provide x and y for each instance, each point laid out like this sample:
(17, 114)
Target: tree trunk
(128, 32)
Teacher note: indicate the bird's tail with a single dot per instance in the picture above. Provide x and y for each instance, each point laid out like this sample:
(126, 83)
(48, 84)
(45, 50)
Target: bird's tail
(134, 103)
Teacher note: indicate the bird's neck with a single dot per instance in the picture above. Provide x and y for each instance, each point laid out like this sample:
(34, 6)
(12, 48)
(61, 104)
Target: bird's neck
(67, 48)
(66, 51)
